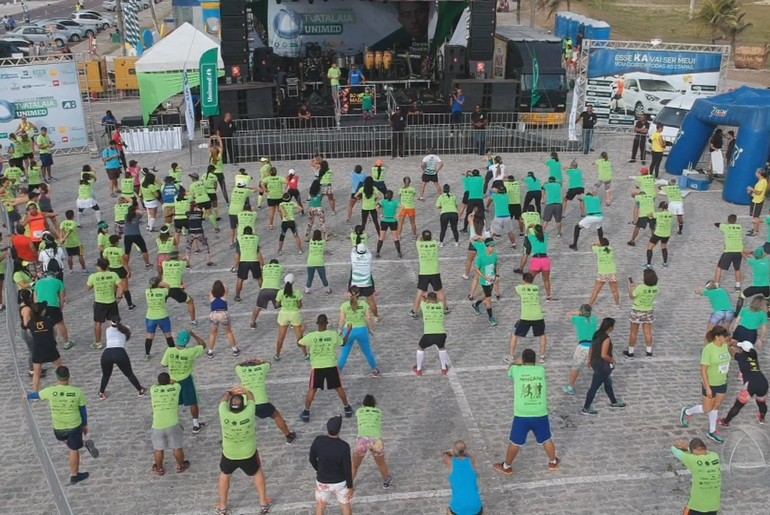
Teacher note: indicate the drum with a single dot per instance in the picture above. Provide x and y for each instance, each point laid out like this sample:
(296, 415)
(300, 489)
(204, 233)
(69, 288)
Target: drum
(387, 59)
(369, 62)
(378, 59)
(340, 60)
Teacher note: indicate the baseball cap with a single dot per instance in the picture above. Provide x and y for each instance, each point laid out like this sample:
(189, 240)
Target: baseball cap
(264, 160)
(644, 171)
(291, 171)
(182, 339)
(194, 175)
(361, 248)
(289, 278)
(745, 346)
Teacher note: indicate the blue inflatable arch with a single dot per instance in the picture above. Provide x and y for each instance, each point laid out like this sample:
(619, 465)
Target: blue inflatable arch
(746, 108)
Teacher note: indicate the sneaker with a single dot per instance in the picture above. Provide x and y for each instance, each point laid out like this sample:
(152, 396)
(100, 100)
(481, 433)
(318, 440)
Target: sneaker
(722, 422)
(500, 467)
(102, 396)
(147, 266)
(132, 307)
(194, 323)
(197, 429)
(476, 308)
(518, 271)
(386, 483)
(210, 263)
(253, 325)
(589, 411)
(209, 354)
(508, 359)
(627, 354)
(665, 265)
(751, 233)
(648, 266)
(348, 411)
(551, 298)
(543, 357)
(441, 244)
(147, 357)
(412, 313)
(492, 321)
(237, 298)
(72, 272)
(69, 345)
(738, 287)
(573, 247)
(142, 392)
(648, 354)
(760, 418)
(716, 437)
(553, 466)
(375, 372)
(618, 405)
(224, 511)
(236, 351)
(305, 415)
(569, 390)
(97, 346)
(291, 437)
(465, 277)
(684, 418)
(91, 448)
(631, 244)
(276, 358)
(446, 311)
(82, 476)
(417, 371)
(233, 270)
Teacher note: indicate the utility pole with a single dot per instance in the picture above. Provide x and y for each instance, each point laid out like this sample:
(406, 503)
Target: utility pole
(121, 26)
(532, 10)
(154, 17)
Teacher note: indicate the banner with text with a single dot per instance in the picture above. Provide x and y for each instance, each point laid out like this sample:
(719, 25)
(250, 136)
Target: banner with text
(49, 96)
(348, 27)
(209, 83)
(624, 84)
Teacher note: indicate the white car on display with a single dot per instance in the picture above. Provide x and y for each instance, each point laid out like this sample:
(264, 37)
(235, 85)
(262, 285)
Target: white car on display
(93, 19)
(111, 5)
(672, 115)
(643, 94)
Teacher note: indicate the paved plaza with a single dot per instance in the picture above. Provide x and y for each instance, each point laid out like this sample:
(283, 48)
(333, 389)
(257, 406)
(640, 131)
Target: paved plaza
(616, 463)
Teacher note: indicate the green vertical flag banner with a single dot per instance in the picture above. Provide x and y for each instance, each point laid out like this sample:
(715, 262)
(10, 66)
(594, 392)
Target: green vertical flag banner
(535, 97)
(209, 83)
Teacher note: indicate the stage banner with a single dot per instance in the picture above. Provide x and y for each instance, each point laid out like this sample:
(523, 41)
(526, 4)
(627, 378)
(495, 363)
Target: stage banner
(624, 84)
(348, 27)
(49, 96)
(209, 83)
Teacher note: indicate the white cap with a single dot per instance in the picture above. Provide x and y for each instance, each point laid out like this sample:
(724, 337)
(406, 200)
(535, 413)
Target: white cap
(289, 278)
(746, 346)
(361, 248)
(240, 183)
(263, 160)
(291, 171)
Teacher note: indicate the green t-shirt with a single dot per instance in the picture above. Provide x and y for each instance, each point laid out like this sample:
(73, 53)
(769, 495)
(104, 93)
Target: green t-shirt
(427, 252)
(378, 173)
(369, 422)
(532, 183)
(14, 174)
(315, 254)
(538, 247)
(752, 319)
(334, 76)
(513, 189)
(486, 263)
(585, 328)
(644, 296)
(647, 184)
(264, 171)
(552, 192)
(181, 208)
(173, 271)
(432, 318)
(323, 348)
(531, 309)
(315, 202)
(646, 205)
(238, 199)
(150, 192)
(326, 180)
(104, 284)
(664, 223)
(65, 402)
(717, 359)
(593, 205)
(575, 176)
(357, 317)
(165, 247)
(272, 276)
(767, 222)
(407, 196)
(530, 391)
(48, 289)
(127, 187)
(73, 239)
(198, 192)
(165, 405)
(121, 212)
(500, 201)
(288, 211)
(176, 174)
(85, 191)
(760, 269)
(719, 298)
(156, 303)
(253, 378)
(181, 361)
(239, 441)
(249, 248)
(474, 185)
(115, 256)
(389, 210)
(733, 234)
(289, 303)
(34, 176)
(368, 203)
(706, 485)
(531, 218)
(367, 102)
(554, 169)
(673, 193)
(274, 185)
(447, 202)
(604, 166)
(247, 219)
(605, 257)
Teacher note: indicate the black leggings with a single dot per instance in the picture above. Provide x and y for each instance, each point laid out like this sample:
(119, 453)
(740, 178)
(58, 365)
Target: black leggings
(222, 186)
(535, 196)
(602, 376)
(117, 356)
(365, 214)
(449, 219)
(470, 207)
(130, 240)
(657, 159)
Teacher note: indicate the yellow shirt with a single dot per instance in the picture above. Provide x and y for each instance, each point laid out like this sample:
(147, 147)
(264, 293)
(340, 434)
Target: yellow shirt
(760, 191)
(658, 144)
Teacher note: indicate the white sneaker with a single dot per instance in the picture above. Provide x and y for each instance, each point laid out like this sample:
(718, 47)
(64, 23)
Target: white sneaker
(441, 244)
(465, 276)
(457, 244)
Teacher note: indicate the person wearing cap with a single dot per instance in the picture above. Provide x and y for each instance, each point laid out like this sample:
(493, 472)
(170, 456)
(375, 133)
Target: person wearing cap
(249, 258)
(157, 314)
(180, 361)
(487, 274)
(103, 236)
(289, 302)
(200, 198)
(330, 458)
(70, 419)
(754, 383)
(585, 325)
(253, 373)
(114, 354)
(265, 167)
(50, 290)
(173, 276)
(273, 186)
(167, 432)
(292, 188)
(107, 287)
(288, 209)
(362, 276)
(706, 469)
(272, 281)
(378, 174)
(113, 166)
(44, 145)
(51, 255)
(464, 480)
(675, 202)
(196, 238)
(216, 159)
(237, 416)
(429, 274)
(239, 197)
(715, 366)
(37, 222)
(315, 209)
(657, 147)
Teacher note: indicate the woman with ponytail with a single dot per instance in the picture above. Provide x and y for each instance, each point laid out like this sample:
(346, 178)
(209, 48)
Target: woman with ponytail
(289, 302)
(115, 353)
(585, 326)
(602, 363)
(357, 314)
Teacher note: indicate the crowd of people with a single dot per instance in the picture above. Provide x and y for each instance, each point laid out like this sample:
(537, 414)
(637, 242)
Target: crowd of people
(496, 209)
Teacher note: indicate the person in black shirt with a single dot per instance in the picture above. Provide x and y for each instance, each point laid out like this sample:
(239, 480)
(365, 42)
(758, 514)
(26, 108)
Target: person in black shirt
(304, 116)
(730, 147)
(641, 128)
(479, 122)
(330, 457)
(601, 361)
(588, 117)
(226, 130)
(754, 384)
(195, 234)
(397, 125)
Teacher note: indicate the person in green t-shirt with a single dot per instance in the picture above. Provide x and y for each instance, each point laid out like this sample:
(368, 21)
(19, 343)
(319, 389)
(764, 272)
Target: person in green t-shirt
(250, 260)
(534, 192)
(760, 282)
(604, 177)
(118, 260)
(554, 167)
(513, 190)
(593, 219)
(663, 226)
(722, 312)
(107, 291)
(180, 361)
(530, 412)
(325, 176)
(273, 186)
(315, 210)
(288, 209)
(643, 297)
(237, 416)
(531, 317)
(585, 325)
(706, 469)
(70, 239)
(407, 194)
(607, 270)
(173, 276)
(751, 321)
(429, 274)
(157, 314)
(289, 303)
(272, 280)
(714, 367)
(433, 333)
(357, 314)
(675, 202)
(369, 439)
(487, 274)
(167, 433)
(324, 374)
(644, 207)
(239, 198)
(732, 255)
(316, 260)
(369, 196)
(447, 206)
(553, 204)
(253, 373)
(389, 222)
(576, 187)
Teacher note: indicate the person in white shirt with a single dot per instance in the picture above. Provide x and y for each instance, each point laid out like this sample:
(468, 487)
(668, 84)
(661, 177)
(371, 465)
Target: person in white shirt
(497, 169)
(361, 275)
(431, 166)
(114, 354)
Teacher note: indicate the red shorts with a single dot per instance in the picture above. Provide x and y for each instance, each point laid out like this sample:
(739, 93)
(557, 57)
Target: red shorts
(540, 264)
(162, 258)
(408, 212)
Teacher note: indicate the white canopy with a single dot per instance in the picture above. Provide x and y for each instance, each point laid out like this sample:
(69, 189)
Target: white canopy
(180, 50)
(460, 36)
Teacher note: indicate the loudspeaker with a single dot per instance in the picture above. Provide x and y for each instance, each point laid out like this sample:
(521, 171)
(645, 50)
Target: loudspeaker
(235, 53)
(246, 101)
(263, 66)
(481, 30)
(235, 35)
(234, 28)
(455, 66)
(232, 8)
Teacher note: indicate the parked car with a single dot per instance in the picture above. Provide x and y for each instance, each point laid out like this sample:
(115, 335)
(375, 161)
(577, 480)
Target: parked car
(73, 34)
(672, 115)
(92, 19)
(10, 51)
(644, 94)
(38, 34)
(15, 46)
(111, 5)
(88, 30)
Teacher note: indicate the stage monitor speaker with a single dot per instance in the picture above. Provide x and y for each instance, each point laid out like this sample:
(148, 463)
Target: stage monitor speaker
(232, 8)
(247, 102)
(481, 30)
(263, 65)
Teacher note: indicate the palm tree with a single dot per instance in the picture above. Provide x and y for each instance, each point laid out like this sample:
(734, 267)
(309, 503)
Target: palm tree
(722, 18)
(552, 5)
(736, 26)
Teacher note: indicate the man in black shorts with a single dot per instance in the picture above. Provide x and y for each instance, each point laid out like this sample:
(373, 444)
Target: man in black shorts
(431, 165)
(434, 333)
(173, 276)
(272, 281)
(250, 260)
(253, 374)
(107, 292)
(429, 275)
(531, 318)
(237, 415)
(733, 250)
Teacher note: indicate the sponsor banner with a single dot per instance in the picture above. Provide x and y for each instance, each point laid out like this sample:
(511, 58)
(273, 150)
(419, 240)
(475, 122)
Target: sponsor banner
(209, 83)
(49, 96)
